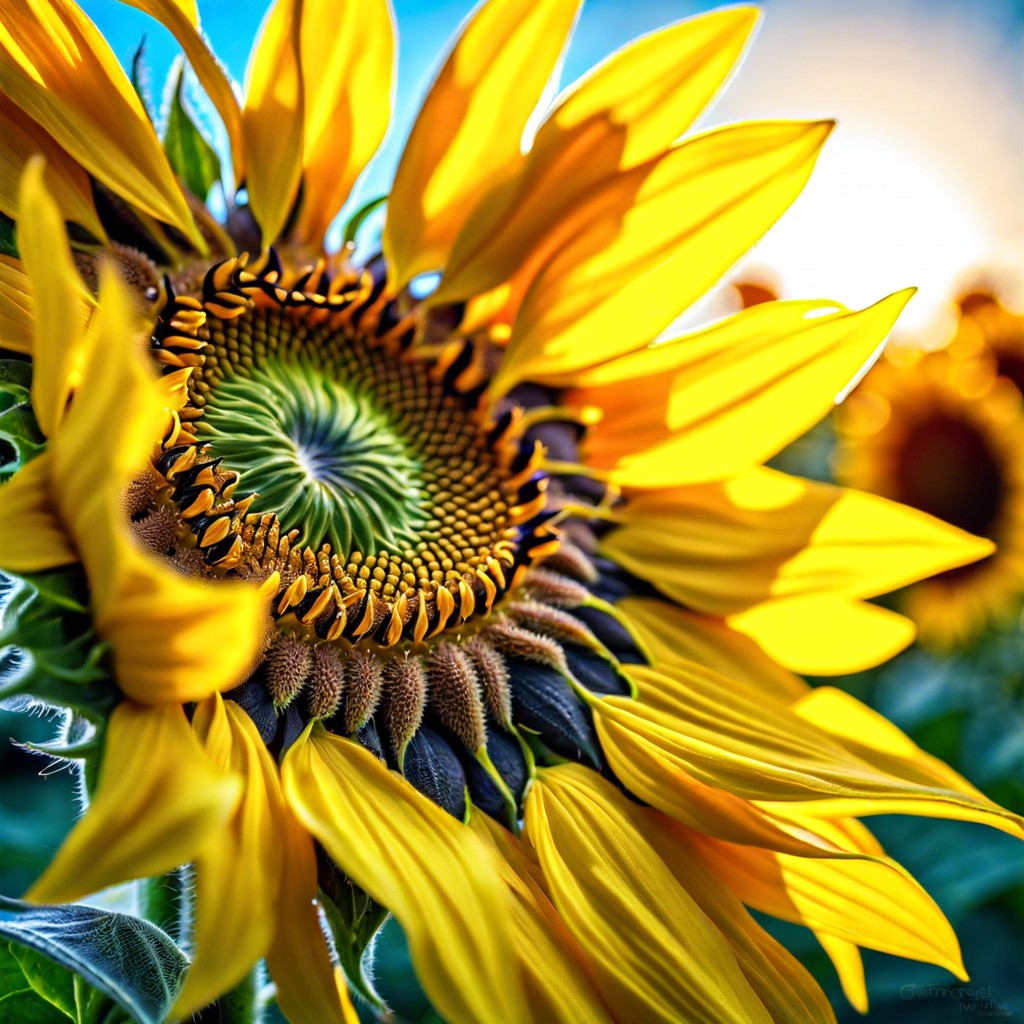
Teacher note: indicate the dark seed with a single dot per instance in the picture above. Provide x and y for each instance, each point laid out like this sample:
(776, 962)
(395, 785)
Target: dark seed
(597, 674)
(543, 702)
(433, 767)
(291, 727)
(611, 633)
(507, 757)
(254, 700)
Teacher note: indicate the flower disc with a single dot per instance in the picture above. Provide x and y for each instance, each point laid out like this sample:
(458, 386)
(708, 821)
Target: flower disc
(373, 488)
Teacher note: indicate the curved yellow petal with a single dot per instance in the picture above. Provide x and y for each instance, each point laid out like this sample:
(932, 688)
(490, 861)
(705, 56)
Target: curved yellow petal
(181, 19)
(209, 634)
(32, 536)
(873, 739)
(671, 633)
(17, 317)
(58, 298)
(437, 878)
(272, 126)
(656, 86)
(765, 535)
(872, 903)
(158, 803)
(237, 875)
(734, 737)
(467, 138)
(781, 982)
(824, 634)
(656, 955)
(556, 972)
(849, 965)
(60, 70)
(650, 765)
(625, 111)
(20, 139)
(348, 77)
(307, 987)
(730, 396)
(638, 250)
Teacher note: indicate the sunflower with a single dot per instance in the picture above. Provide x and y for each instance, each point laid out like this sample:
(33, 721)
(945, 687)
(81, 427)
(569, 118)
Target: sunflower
(944, 432)
(468, 600)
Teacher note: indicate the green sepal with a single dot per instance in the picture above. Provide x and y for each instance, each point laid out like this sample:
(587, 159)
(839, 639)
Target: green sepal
(8, 243)
(140, 79)
(193, 159)
(355, 919)
(130, 969)
(49, 649)
(356, 221)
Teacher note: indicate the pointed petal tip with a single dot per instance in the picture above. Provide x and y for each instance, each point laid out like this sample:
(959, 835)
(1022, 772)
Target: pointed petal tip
(821, 130)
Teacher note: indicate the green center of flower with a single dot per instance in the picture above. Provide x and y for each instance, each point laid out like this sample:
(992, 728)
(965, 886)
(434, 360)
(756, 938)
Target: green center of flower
(320, 453)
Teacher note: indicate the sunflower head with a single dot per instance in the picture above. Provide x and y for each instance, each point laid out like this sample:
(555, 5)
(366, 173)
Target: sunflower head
(463, 602)
(944, 432)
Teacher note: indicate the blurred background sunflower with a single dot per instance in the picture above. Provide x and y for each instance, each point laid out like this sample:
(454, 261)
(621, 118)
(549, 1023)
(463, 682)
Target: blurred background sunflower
(922, 186)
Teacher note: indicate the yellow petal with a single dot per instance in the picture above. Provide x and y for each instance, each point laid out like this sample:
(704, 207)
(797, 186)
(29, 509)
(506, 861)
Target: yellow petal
(655, 87)
(467, 138)
(638, 250)
(21, 138)
(58, 294)
(272, 119)
(158, 803)
(849, 965)
(625, 111)
(555, 969)
(238, 874)
(60, 70)
(728, 397)
(181, 19)
(32, 536)
(650, 764)
(874, 740)
(298, 961)
(767, 535)
(671, 633)
(733, 737)
(208, 634)
(16, 309)
(781, 982)
(347, 86)
(825, 635)
(437, 878)
(872, 903)
(656, 956)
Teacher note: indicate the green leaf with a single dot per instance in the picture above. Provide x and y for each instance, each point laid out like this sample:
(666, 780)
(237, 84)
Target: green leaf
(12, 979)
(18, 427)
(129, 960)
(8, 244)
(16, 378)
(194, 160)
(48, 648)
(48, 979)
(25, 1007)
(354, 919)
